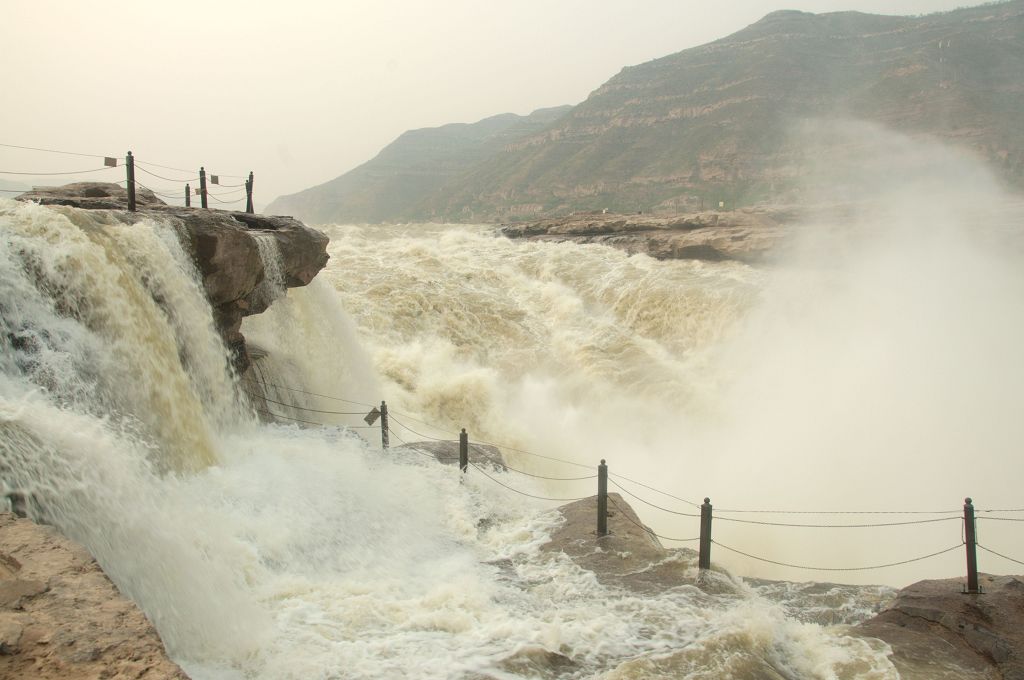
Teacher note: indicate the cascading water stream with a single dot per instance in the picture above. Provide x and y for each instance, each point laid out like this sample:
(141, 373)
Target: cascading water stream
(289, 550)
(278, 552)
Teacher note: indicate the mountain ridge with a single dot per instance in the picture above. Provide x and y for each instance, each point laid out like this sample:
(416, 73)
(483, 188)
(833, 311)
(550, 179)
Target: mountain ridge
(417, 163)
(714, 123)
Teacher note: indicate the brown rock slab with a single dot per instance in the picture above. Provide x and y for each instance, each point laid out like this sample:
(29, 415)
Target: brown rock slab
(630, 556)
(62, 618)
(447, 452)
(749, 235)
(936, 632)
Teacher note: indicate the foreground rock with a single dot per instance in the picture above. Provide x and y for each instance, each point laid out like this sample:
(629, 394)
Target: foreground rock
(937, 633)
(748, 235)
(223, 244)
(447, 452)
(630, 556)
(61, 617)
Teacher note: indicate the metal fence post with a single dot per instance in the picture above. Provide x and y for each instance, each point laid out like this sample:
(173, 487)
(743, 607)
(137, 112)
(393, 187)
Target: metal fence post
(464, 451)
(129, 163)
(202, 190)
(248, 194)
(704, 559)
(384, 440)
(602, 499)
(972, 549)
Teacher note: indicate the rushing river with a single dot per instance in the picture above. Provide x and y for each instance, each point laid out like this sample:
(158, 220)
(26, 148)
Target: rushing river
(876, 379)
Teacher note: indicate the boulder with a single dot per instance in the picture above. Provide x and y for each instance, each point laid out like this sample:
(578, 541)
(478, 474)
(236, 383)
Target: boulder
(61, 617)
(222, 245)
(630, 556)
(937, 633)
(447, 452)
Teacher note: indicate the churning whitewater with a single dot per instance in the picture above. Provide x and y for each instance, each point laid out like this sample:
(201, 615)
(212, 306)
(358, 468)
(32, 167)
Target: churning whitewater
(297, 548)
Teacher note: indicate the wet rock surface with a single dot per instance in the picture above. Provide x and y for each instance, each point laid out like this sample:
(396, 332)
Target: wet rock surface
(61, 617)
(447, 452)
(630, 556)
(936, 632)
(749, 235)
(223, 247)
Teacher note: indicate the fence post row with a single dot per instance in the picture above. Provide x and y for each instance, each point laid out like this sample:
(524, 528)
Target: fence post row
(704, 558)
(602, 499)
(384, 441)
(971, 539)
(129, 164)
(464, 451)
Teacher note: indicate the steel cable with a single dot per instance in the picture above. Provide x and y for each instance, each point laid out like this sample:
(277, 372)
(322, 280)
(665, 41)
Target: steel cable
(647, 530)
(836, 526)
(312, 394)
(523, 493)
(278, 415)
(418, 434)
(998, 554)
(165, 167)
(552, 479)
(181, 181)
(798, 566)
(224, 193)
(302, 408)
(168, 167)
(50, 174)
(843, 512)
(651, 488)
(154, 191)
(67, 153)
(236, 200)
(646, 502)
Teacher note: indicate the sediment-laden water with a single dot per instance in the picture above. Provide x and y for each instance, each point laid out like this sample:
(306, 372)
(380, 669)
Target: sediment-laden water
(877, 381)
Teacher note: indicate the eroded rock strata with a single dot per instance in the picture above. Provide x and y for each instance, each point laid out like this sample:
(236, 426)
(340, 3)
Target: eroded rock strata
(222, 243)
(750, 235)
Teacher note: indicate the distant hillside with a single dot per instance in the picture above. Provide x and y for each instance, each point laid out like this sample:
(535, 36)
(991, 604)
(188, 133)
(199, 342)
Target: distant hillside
(712, 123)
(392, 186)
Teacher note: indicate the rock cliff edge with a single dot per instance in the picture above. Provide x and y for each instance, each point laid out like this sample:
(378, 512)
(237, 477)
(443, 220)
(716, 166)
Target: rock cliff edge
(223, 244)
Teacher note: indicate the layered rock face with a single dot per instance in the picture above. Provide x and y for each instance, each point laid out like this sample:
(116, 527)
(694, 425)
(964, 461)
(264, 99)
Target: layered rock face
(62, 618)
(744, 235)
(222, 244)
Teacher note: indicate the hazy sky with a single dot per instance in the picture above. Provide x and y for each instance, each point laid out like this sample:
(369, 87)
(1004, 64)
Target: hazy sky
(303, 91)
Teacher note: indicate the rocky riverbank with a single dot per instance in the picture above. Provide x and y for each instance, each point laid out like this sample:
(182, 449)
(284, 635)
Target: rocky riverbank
(749, 235)
(223, 246)
(935, 632)
(62, 618)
